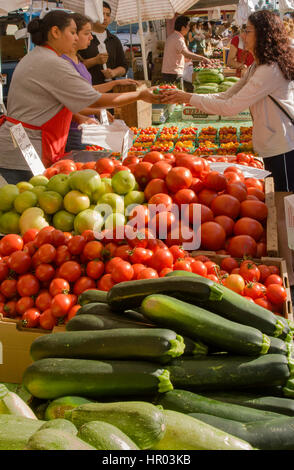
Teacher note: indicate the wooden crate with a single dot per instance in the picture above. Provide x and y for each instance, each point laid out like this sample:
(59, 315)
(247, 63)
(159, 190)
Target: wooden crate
(279, 262)
(138, 114)
(15, 343)
(272, 244)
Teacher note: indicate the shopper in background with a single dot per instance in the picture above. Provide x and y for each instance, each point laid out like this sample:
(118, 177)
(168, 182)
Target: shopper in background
(267, 89)
(192, 38)
(200, 38)
(114, 57)
(87, 115)
(176, 50)
(239, 58)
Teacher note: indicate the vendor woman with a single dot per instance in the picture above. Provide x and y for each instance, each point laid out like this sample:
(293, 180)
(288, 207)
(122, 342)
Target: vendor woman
(45, 92)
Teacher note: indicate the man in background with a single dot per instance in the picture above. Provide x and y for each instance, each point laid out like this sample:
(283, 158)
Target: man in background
(105, 48)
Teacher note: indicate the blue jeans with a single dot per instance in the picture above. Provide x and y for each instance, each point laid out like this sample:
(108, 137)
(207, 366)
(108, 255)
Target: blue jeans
(14, 176)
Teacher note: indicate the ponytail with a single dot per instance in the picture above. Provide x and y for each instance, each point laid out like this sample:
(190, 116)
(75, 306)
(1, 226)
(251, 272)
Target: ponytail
(40, 28)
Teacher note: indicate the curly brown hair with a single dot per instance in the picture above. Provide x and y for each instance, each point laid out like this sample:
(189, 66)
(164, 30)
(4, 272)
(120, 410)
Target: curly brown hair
(272, 42)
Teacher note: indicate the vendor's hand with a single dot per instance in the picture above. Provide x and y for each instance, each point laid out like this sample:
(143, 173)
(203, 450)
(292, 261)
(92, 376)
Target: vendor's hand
(102, 58)
(206, 60)
(148, 95)
(81, 119)
(108, 73)
(126, 81)
(175, 97)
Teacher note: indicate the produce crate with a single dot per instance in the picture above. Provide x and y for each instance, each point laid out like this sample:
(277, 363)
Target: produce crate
(242, 116)
(15, 343)
(272, 244)
(138, 114)
(279, 262)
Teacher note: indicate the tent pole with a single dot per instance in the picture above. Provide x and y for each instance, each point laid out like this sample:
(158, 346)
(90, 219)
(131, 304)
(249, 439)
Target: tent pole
(142, 40)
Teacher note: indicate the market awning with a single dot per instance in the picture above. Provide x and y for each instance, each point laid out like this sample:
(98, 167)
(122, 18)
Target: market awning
(208, 4)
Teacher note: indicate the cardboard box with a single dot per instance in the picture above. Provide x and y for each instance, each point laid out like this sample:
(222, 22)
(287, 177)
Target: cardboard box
(242, 116)
(279, 262)
(15, 343)
(272, 242)
(138, 114)
(11, 48)
(194, 114)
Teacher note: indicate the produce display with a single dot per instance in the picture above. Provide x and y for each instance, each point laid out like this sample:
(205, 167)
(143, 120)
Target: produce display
(212, 80)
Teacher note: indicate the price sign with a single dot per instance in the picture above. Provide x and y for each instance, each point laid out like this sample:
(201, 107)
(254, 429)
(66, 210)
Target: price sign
(22, 141)
(125, 146)
(103, 117)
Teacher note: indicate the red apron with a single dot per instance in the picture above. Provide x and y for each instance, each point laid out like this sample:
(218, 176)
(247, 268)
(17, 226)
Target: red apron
(54, 134)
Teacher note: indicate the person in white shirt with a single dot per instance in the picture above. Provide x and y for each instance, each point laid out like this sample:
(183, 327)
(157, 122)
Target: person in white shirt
(267, 89)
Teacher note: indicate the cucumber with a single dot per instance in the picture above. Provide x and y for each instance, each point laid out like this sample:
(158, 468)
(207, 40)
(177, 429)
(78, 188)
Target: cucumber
(277, 346)
(125, 295)
(62, 424)
(105, 436)
(235, 307)
(96, 308)
(102, 322)
(92, 295)
(231, 373)
(206, 326)
(56, 408)
(182, 433)
(56, 377)
(188, 402)
(143, 422)
(284, 406)
(16, 430)
(56, 439)
(273, 434)
(194, 348)
(11, 403)
(154, 344)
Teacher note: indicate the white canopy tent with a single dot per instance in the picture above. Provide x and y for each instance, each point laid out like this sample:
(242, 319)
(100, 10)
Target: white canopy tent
(286, 6)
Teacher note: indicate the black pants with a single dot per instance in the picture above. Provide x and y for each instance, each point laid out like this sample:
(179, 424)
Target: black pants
(15, 176)
(174, 78)
(282, 169)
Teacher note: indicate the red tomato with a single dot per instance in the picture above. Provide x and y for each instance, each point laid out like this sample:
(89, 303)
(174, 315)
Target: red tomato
(44, 272)
(212, 277)
(197, 185)
(131, 160)
(142, 173)
(264, 272)
(241, 246)
(46, 253)
(154, 187)
(104, 165)
(178, 178)
(153, 157)
(117, 169)
(212, 267)
(82, 284)
(30, 248)
(111, 264)
(19, 262)
(235, 282)
(185, 196)
(261, 250)
(23, 304)
(273, 279)
(31, 318)
(213, 236)
(178, 252)
(206, 213)
(276, 294)
(232, 177)
(237, 190)
(10, 243)
(62, 255)
(254, 209)
(44, 236)
(160, 170)
(95, 269)
(46, 320)
(76, 244)
(147, 273)
(193, 163)
(162, 223)
(229, 263)
(254, 183)
(105, 283)
(4, 270)
(215, 180)
(274, 269)
(248, 226)
(30, 235)
(123, 272)
(123, 252)
(140, 255)
(60, 305)
(43, 301)
(58, 238)
(88, 235)
(93, 250)
(70, 270)
(198, 267)
(253, 191)
(161, 198)
(243, 158)
(165, 271)
(170, 158)
(59, 286)
(139, 216)
(225, 204)
(161, 259)
(137, 267)
(72, 312)
(226, 222)
(65, 166)
(9, 308)
(28, 285)
(249, 271)
(265, 303)
(206, 196)
(182, 265)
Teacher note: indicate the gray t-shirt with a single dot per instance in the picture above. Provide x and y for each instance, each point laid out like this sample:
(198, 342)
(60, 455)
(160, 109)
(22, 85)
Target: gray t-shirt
(42, 84)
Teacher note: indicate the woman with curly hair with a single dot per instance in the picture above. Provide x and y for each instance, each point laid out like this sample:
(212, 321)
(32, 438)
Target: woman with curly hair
(267, 89)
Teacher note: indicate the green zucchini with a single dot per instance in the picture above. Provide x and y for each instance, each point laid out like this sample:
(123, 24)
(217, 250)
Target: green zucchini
(62, 424)
(56, 439)
(96, 308)
(272, 434)
(56, 408)
(284, 406)
(206, 326)
(12, 403)
(102, 322)
(194, 348)
(189, 402)
(105, 436)
(277, 346)
(143, 422)
(235, 307)
(56, 377)
(227, 372)
(182, 433)
(154, 344)
(130, 294)
(16, 430)
(92, 295)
